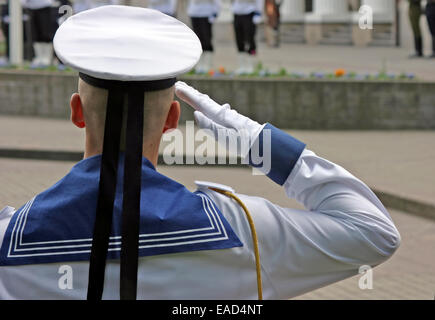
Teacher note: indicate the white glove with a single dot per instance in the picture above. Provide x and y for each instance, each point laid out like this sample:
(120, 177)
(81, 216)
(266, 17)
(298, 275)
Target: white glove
(220, 120)
(257, 19)
(212, 18)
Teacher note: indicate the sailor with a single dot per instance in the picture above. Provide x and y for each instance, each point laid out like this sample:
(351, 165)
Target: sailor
(114, 224)
(414, 13)
(247, 15)
(203, 14)
(168, 7)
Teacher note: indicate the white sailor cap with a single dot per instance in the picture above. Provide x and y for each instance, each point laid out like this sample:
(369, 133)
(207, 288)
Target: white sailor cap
(127, 44)
(127, 51)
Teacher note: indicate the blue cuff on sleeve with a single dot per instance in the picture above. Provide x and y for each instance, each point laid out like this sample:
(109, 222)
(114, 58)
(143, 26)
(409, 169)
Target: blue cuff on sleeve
(285, 152)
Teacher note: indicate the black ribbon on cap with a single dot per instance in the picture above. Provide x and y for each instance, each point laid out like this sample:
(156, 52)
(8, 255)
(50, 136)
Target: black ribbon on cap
(106, 194)
(118, 90)
(131, 198)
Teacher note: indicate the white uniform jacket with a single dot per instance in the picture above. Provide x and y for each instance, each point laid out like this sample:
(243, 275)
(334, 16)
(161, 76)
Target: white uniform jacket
(203, 8)
(343, 227)
(241, 7)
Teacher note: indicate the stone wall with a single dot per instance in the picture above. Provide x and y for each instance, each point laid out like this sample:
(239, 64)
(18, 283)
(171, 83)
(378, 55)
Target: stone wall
(287, 103)
(40, 93)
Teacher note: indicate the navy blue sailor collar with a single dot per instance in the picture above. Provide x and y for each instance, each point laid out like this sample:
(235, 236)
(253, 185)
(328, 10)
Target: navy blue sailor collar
(57, 224)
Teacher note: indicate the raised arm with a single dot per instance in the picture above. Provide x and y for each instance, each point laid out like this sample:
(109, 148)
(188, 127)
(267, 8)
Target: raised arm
(343, 227)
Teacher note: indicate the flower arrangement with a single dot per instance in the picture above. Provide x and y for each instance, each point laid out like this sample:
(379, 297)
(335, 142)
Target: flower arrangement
(337, 74)
(261, 72)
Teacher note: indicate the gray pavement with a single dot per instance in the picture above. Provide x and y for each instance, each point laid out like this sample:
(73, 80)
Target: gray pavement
(396, 162)
(409, 274)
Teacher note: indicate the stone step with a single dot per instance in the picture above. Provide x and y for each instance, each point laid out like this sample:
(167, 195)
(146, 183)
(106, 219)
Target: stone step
(382, 43)
(336, 41)
(292, 33)
(339, 35)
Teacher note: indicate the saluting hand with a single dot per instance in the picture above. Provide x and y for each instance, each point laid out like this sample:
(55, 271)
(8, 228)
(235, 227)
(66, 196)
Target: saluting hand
(221, 120)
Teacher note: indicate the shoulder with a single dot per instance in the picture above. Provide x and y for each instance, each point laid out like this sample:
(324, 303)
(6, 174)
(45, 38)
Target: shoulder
(5, 216)
(217, 191)
(207, 185)
(223, 197)
(6, 213)
(268, 218)
(214, 191)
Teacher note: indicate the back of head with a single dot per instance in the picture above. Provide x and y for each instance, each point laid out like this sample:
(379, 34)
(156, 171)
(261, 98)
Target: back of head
(94, 101)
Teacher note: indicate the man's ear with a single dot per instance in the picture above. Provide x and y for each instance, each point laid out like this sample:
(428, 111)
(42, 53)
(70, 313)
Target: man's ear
(173, 117)
(77, 111)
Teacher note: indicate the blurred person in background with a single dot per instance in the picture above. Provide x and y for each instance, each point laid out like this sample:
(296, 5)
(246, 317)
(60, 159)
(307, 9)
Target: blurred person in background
(430, 15)
(203, 14)
(273, 16)
(415, 12)
(168, 7)
(247, 14)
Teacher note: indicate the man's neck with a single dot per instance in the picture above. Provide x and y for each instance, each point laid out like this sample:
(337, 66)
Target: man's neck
(150, 151)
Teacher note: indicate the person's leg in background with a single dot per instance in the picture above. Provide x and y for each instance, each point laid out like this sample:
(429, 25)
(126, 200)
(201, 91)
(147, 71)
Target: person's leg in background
(28, 52)
(239, 30)
(277, 24)
(414, 18)
(272, 22)
(207, 46)
(48, 27)
(199, 26)
(430, 15)
(250, 32)
(37, 45)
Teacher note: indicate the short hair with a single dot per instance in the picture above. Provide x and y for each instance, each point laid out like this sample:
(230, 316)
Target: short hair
(94, 102)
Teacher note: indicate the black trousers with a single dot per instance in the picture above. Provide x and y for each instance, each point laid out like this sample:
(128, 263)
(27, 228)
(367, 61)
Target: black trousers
(245, 33)
(43, 23)
(430, 15)
(202, 28)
